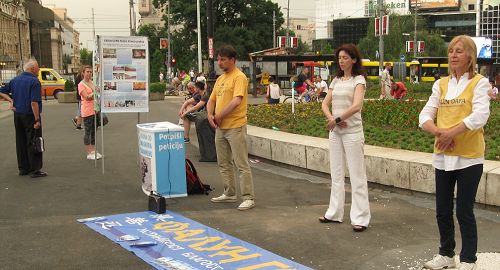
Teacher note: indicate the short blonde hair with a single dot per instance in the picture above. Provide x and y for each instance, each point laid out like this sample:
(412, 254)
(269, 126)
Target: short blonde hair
(471, 49)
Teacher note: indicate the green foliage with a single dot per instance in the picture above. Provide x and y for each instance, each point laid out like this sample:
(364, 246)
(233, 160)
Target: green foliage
(418, 91)
(245, 24)
(69, 86)
(86, 56)
(395, 42)
(386, 123)
(157, 87)
(156, 56)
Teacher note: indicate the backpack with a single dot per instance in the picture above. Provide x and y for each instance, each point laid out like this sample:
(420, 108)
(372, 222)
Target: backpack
(193, 182)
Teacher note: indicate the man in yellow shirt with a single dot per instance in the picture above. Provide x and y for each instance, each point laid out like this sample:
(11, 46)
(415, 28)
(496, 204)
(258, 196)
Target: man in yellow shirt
(227, 113)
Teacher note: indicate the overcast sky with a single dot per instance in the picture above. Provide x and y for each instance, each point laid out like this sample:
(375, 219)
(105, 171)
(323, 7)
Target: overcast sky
(112, 16)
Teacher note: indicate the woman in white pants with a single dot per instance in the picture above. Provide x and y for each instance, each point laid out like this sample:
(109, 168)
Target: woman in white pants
(345, 97)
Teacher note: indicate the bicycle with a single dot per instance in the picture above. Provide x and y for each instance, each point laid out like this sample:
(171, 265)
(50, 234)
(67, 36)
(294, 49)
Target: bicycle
(296, 97)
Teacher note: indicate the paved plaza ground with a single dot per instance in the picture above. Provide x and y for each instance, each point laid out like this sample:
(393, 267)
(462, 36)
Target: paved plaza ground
(38, 228)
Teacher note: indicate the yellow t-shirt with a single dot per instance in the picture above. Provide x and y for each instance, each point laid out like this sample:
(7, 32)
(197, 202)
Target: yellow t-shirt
(227, 86)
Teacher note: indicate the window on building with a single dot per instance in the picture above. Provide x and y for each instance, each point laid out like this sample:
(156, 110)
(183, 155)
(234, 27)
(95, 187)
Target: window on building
(299, 27)
(471, 7)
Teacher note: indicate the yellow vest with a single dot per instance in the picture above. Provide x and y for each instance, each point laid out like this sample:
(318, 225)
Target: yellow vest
(450, 113)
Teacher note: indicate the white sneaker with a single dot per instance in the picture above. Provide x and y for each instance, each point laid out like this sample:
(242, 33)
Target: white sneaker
(440, 262)
(93, 156)
(224, 198)
(466, 266)
(246, 204)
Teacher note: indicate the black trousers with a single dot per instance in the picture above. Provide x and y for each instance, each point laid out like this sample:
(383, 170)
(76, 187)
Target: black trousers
(28, 161)
(467, 181)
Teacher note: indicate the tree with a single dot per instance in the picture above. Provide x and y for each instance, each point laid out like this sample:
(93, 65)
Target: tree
(245, 24)
(157, 56)
(86, 57)
(395, 42)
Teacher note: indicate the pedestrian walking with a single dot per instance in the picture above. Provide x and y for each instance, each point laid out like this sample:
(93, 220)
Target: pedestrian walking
(227, 112)
(460, 104)
(345, 99)
(26, 103)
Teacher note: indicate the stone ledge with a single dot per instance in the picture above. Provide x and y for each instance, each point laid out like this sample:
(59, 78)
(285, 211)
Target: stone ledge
(392, 167)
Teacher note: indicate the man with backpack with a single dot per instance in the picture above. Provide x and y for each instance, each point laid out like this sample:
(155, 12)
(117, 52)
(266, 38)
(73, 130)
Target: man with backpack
(227, 113)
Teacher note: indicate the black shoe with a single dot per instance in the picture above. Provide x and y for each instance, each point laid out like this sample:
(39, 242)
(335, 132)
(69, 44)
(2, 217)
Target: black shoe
(38, 174)
(186, 140)
(22, 173)
(78, 128)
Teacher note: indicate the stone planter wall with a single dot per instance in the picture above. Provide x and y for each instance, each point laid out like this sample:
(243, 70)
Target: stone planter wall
(153, 96)
(67, 97)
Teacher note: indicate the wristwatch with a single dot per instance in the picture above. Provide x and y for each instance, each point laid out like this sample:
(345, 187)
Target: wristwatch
(338, 120)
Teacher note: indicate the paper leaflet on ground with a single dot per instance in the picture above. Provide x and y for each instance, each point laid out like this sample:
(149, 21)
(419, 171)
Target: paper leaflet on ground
(171, 241)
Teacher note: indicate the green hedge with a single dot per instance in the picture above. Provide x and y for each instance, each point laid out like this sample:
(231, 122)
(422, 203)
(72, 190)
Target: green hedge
(386, 123)
(69, 86)
(157, 87)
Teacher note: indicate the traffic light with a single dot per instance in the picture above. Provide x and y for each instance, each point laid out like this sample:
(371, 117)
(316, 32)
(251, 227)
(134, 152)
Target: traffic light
(173, 61)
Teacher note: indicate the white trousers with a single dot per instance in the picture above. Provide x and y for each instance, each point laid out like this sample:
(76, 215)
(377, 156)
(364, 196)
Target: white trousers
(348, 147)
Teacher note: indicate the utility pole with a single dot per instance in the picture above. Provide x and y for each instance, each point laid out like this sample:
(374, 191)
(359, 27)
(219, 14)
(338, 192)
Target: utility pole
(200, 67)
(210, 36)
(274, 29)
(131, 9)
(287, 23)
(381, 38)
(415, 30)
(169, 50)
(93, 27)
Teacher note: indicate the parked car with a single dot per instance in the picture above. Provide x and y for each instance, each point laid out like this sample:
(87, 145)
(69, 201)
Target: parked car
(52, 82)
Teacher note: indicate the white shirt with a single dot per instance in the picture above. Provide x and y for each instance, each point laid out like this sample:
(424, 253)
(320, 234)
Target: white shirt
(342, 99)
(386, 77)
(321, 85)
(476, 120)
(274, 91)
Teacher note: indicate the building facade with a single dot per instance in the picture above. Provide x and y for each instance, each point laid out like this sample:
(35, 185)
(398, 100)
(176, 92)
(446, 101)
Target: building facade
(349, 19)
(14, 38)
(150, 14)
(303, 29)
(54, 41)
(70, 41)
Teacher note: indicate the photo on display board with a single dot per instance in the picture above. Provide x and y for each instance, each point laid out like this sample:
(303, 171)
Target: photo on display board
(146, 178)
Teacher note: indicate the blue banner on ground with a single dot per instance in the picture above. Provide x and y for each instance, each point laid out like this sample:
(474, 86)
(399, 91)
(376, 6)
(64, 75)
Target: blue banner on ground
(171, 241)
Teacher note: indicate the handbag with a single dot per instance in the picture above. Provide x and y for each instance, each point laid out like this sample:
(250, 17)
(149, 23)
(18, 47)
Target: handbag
(157, 203)
(39, 145)
(105, 119)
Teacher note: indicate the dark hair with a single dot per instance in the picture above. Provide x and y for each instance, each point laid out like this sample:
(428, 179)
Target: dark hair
(353, 52)
(227, 51)
(199, 85)
(271, 79)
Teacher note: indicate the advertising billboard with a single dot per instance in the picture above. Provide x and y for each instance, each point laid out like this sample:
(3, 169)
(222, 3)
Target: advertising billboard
(434, 4)
(483, 45)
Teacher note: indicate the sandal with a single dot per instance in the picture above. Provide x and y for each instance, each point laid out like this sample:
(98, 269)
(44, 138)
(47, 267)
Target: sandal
(323, 219)
(358, 228)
